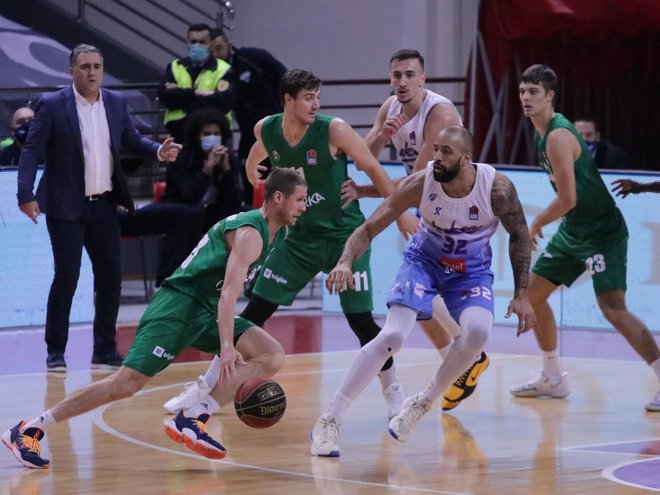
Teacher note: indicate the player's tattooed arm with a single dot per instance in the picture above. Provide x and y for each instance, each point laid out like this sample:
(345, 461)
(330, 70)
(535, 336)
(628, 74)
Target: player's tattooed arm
(507, 207)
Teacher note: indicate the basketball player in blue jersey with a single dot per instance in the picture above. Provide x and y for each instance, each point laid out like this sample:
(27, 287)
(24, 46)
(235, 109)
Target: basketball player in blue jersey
(461, 204)
(411, 119)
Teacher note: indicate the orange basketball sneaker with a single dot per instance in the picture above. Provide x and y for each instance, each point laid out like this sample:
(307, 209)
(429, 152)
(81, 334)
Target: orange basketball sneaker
(192, 433)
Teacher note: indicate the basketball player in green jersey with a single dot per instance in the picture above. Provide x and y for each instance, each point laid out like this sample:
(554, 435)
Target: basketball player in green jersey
(316, 146)
(592, 236)
(194, 308)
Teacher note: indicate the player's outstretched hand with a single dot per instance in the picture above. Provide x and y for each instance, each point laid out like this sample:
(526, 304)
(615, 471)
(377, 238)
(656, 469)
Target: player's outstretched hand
(408, 224)
(534, 232)
(349, 192)
(623, 187)
(340, 278)
(522, 307)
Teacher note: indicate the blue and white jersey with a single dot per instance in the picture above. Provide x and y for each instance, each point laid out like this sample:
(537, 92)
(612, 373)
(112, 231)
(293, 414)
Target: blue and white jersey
(408, 140)
(455, 232)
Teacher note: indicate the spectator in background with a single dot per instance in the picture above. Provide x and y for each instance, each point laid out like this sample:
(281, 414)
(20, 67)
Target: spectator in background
(206, 172)
(258, 76)
(605, 155)
(76, 133)
(196, 81)
(20, 124)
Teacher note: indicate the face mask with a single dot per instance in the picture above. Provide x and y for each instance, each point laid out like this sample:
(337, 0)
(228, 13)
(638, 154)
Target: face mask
(22, 132)
(208, 142)
(198, 52)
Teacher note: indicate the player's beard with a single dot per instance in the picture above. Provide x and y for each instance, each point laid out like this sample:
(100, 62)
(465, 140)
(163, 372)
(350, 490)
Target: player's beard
(448, 173)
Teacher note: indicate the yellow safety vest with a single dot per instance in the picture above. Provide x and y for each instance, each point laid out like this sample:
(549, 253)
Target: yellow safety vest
(206, 80)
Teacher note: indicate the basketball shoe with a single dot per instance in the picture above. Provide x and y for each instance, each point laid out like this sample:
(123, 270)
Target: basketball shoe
(414, 408)
(25, 445)
(325, 437)
(465, 384)
(654, 405)
(394, 396)
(192, 433)
(191, 395)
(541, 386)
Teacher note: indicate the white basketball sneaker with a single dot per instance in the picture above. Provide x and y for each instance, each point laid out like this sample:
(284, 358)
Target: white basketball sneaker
(542, 386)
(325, 437)
(191, 395)
(414, 408)
(394, 396)
(654, 405)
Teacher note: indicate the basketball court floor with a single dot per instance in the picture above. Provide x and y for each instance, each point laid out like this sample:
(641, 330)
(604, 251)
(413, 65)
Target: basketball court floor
(599, 439)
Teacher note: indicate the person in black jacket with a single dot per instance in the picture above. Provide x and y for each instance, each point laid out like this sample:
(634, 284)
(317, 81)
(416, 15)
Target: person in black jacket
(605, 154)
(206, 172)
(257, 78)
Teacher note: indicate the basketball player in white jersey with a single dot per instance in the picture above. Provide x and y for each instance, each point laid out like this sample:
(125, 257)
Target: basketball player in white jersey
(411, 118)
(460, 204)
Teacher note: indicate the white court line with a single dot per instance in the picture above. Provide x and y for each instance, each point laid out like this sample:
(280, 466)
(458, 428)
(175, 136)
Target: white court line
(609, 474)
(97, 419)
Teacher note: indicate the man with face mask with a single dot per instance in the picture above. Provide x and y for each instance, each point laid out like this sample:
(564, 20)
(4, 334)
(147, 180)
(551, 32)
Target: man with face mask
(20, 124)
(605, 154)
(196, 81)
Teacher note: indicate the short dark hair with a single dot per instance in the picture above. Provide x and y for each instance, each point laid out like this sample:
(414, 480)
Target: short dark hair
(217, 33)
(540, 74)
(204, 116)
(200, 26)
(81, 48)
(295, 80)
(284, 180)
(463, 135)
(407, 54)
(588, 119)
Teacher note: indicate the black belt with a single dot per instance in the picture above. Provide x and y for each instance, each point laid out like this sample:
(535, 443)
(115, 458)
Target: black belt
(96, 197)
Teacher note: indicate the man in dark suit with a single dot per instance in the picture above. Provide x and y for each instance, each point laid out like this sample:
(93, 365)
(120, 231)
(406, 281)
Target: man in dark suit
(605, 154)
(76, 133)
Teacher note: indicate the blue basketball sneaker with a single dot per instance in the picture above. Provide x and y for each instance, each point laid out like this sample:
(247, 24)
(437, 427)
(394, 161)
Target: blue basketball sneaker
(192, 433)
(25, 445)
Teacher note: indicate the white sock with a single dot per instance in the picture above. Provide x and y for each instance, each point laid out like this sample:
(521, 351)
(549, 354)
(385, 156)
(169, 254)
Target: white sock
(43, 422)
(655, 366)
(212, 374)
(388, 377)
(551, 365)
(338, 406)
(207, 405)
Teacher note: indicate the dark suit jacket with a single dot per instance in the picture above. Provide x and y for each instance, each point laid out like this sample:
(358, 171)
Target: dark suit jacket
(609, 156)
(54, 139)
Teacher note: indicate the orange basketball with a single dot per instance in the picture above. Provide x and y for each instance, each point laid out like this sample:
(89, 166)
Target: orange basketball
(260, 402)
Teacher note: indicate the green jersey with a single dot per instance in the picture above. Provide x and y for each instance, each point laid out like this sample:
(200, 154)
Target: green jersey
(593, 198)
(202, 273)
(323, 173)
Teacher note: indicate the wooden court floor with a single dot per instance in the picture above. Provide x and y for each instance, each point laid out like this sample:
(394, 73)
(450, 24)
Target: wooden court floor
(598, 440)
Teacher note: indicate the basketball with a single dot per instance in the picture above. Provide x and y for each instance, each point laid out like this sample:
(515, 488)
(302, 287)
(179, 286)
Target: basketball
(260, 402)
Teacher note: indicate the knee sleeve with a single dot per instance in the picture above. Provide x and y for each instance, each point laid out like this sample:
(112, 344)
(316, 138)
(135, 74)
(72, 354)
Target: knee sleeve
(476, 323)
(365, 329)
(258, 310)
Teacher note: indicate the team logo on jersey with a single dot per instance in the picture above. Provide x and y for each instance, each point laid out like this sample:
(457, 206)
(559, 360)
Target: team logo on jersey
(276, 155)
(437, 210)
(473, 213)
(452, 265)
(311, 157)
(433, 196)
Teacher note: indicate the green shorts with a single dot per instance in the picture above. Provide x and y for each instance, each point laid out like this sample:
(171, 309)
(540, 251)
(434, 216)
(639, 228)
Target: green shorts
(173, 322)
(297, 260)
(601, 248)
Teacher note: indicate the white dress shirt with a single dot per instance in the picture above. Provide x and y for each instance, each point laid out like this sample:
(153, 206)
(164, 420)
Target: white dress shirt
(95, 135)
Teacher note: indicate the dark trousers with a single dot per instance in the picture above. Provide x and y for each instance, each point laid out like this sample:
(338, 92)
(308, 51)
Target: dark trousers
(181, 227)
(98, 231)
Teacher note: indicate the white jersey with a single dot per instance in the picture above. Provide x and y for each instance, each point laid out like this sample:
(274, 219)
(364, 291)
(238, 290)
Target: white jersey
(409, 138)
(456, 231)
